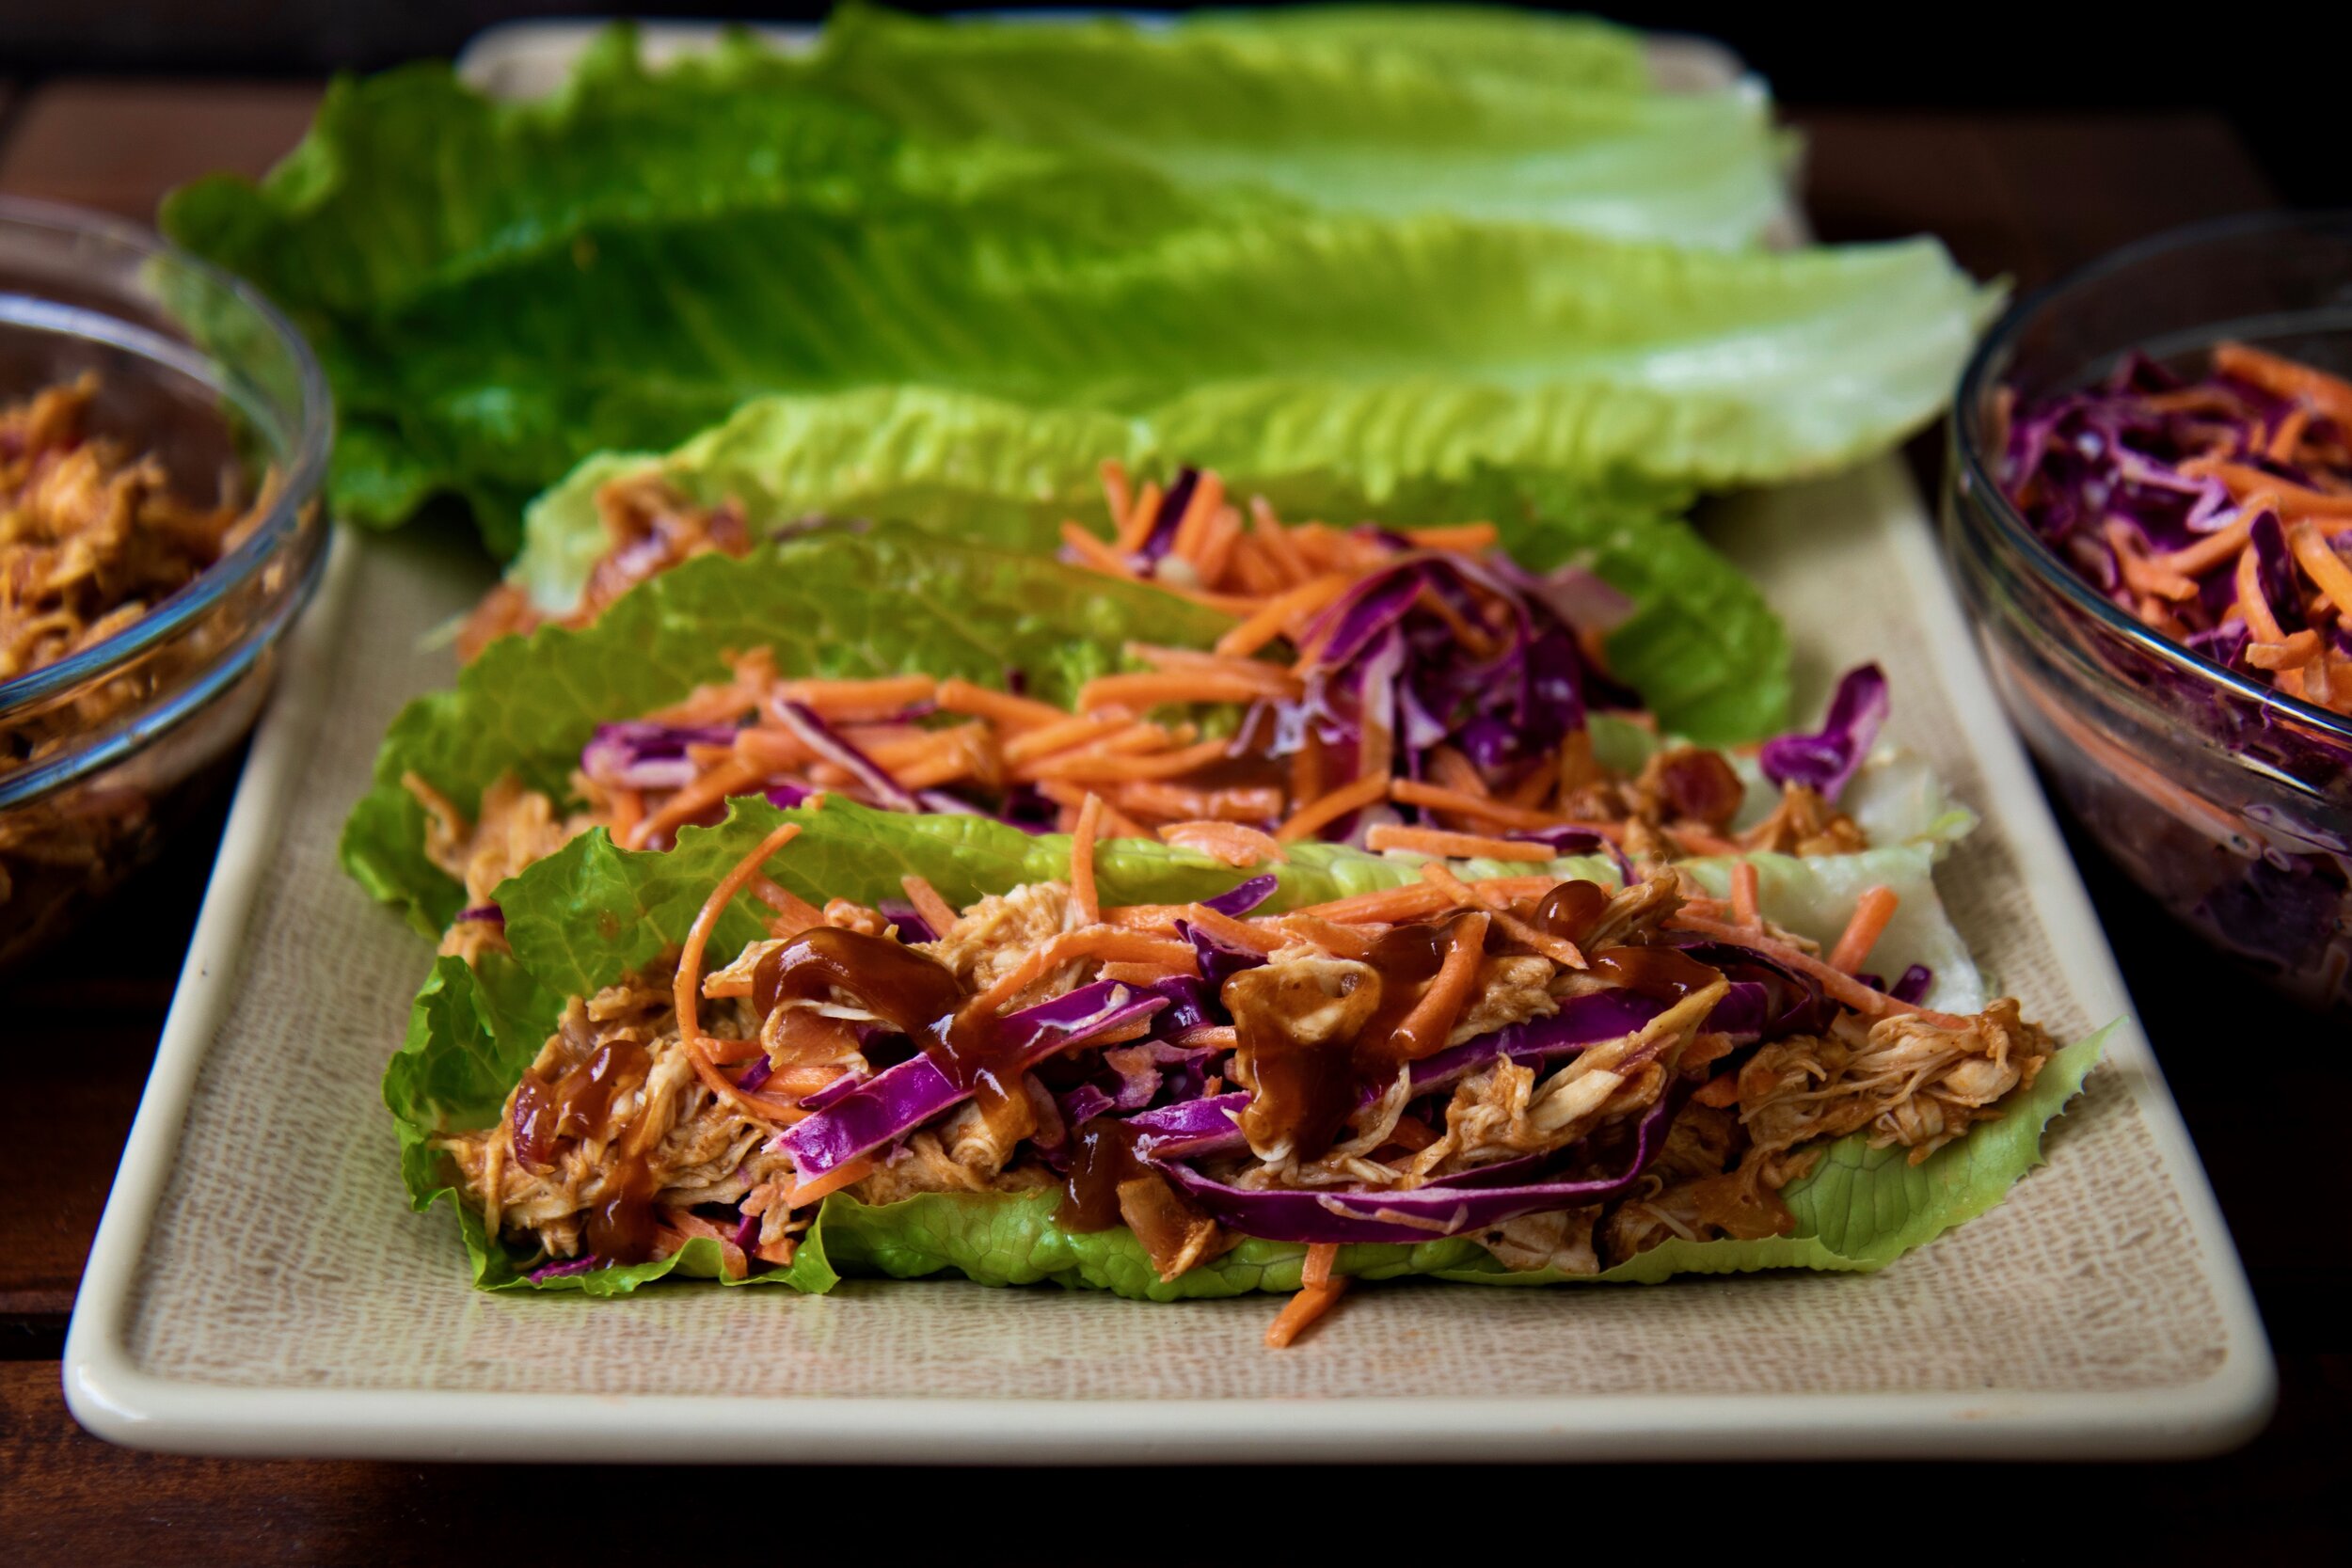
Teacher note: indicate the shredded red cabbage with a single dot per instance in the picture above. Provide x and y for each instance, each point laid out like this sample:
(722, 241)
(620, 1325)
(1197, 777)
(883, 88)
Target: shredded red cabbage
(1828, 759)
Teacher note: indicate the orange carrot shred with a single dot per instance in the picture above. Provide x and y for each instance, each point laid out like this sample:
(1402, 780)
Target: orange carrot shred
(1230, 842)
(1299, 1311)
(1082, 893)
(1307, 821)
(1871, 911)
(939, 914)
(1743, 892)
(849, 1173)
(1435, 840)
(686, 989)
(1316, 1270)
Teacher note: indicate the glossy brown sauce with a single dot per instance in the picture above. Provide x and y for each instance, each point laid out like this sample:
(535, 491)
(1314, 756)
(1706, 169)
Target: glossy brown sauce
(579, 1104)
(913, 993)
(1663, 974)
(1102, 1155)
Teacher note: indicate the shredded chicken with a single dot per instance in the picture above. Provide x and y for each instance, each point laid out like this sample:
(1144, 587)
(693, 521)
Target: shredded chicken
(1912, 1083)
(92, 538)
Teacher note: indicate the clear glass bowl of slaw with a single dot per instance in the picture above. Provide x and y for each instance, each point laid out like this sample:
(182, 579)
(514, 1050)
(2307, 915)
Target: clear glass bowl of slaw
(243, 415)
(2227, 801)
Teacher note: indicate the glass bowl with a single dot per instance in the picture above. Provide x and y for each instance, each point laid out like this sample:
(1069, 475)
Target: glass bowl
(234, 410)
(2228, 803)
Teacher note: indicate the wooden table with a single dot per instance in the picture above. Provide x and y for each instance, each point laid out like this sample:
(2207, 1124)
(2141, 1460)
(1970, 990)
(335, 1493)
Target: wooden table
(2261, 1086)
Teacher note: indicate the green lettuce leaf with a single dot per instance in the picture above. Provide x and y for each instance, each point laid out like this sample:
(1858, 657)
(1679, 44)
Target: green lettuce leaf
(583, 917)
(1485, 115)
(500, 289)
(529, 705)
(1702, 646)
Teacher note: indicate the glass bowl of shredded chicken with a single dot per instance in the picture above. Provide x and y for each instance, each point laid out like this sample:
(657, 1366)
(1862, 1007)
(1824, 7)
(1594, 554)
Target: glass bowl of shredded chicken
(2148, 512)
(163, 434)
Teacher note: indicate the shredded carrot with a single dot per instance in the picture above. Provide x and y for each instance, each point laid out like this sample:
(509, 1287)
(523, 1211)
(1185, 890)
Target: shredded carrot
(2298, 652)
(1233, 932)
(1095, 941)
(2286, 378)
(1316, 1270)
(2327, 568)
(1434, 840)
(1136, 527)
(684, 1224)
(843, 698)
(1116, 493)
(1535, 786)
(1229, 842)
(1082, 893)
(1691, 841)
(1279, 613)
(1836, 982)
(765, 1107)
(847, 1173)
(1417, 792)
(1208, 494)
(1003, 708)
(694, 800)
(2212, 550)
(1871, 911)
(1092, 765)
(1344, 941)
(1743, 893)
(1216, 554)
(1280, 546)
(2288, 435)
(936, 911)
(1450, 989)
(1457, 773)
(1092, 550)
(1299, 1311)
(2253, 603)
(1115, 823)
(1146, 917)
(1416, 900)
(1560, 950)
(686, 991)
(794, 913)
(1049, 739)
(1150, 689)
(629, 809)
(2139, 574)
(2244, 478)
(1467, 538)
(1309, 820)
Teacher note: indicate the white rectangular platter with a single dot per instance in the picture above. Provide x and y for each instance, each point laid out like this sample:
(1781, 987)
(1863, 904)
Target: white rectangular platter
(257, 1285)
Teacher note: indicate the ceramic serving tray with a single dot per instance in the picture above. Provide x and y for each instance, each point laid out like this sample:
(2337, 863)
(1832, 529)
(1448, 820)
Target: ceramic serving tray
(259, 1285)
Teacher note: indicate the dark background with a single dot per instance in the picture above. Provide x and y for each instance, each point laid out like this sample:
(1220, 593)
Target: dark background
(2030, 140)
(2262, 70)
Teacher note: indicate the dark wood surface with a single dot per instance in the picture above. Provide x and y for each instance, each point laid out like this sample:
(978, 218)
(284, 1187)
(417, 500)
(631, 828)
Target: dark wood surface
(2021, 197)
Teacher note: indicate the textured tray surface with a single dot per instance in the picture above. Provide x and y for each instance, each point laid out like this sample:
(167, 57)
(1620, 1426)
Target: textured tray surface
(281, 1255)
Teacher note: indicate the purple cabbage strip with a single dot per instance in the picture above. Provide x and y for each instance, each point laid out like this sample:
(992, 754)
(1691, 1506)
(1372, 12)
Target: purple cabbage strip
(489, 914)
(755, 1075)
(819, 737)
(895, 1102)
(912, 927)
(643, 754)
(1913, 987)
(1243, 897)
(1828, 759)
(1163, 535)
(558, 1271)
(1417, 1215)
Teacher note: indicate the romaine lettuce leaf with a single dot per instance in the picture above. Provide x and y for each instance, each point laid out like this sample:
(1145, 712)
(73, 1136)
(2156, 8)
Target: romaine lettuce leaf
(1487, 113)
(499, 290)
(586, 915)
(529, 705)
(1702, 646)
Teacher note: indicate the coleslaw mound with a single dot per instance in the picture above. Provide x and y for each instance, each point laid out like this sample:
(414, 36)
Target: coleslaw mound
(1410, 690)
(1151, 1073)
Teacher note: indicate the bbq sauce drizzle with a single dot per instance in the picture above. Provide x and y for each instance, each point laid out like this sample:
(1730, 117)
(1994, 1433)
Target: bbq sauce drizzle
(1304, 1090)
